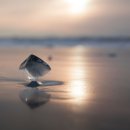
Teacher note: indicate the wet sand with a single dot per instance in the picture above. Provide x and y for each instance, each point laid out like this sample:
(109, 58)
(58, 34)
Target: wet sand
(87, 89)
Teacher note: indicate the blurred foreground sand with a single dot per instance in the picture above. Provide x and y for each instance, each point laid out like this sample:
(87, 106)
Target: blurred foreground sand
(87, 89)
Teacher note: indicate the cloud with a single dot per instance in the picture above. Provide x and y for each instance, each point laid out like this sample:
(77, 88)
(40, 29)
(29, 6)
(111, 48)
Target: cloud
(49, 18)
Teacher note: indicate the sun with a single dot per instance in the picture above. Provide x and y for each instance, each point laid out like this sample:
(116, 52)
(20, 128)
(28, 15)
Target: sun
(77, 6)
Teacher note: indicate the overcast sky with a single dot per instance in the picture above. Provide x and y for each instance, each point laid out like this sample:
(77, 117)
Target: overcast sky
(64, 18)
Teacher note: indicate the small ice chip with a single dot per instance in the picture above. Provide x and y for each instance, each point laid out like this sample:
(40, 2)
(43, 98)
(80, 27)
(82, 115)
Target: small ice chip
(34, 67)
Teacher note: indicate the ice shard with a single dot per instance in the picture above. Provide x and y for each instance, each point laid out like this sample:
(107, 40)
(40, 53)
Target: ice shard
(34, 67)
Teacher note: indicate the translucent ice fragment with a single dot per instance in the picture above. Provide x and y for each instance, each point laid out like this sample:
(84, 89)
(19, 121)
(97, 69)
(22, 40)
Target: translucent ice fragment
(34, 67)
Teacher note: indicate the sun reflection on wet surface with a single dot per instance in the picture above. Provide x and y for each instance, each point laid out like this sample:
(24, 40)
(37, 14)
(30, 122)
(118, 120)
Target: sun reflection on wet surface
(77, 90)
(78, 84)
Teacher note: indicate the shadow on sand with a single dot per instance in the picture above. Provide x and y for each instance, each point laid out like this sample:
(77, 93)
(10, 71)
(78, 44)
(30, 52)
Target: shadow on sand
(31, 84)
(43, 83)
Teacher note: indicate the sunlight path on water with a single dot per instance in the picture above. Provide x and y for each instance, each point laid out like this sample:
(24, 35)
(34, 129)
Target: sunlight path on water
(78, 86)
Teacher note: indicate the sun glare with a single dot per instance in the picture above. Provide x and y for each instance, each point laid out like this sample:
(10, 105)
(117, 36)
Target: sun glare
(78, 86)
(77, 89)
(77, 6)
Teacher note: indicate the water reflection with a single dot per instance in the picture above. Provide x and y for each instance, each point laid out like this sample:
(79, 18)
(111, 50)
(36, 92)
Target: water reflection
(34, 97)
(78, 84)
(77, 90)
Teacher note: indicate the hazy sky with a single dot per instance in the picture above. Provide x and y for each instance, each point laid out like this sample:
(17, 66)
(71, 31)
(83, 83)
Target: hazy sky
(64, 18)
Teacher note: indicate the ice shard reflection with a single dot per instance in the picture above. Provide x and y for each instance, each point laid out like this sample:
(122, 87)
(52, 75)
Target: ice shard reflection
(34, 97)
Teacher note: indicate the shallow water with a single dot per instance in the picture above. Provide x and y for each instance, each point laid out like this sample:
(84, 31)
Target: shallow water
(88, 88)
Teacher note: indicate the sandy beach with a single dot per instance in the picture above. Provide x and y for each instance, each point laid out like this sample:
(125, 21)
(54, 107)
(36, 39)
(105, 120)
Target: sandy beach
(88, 88)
